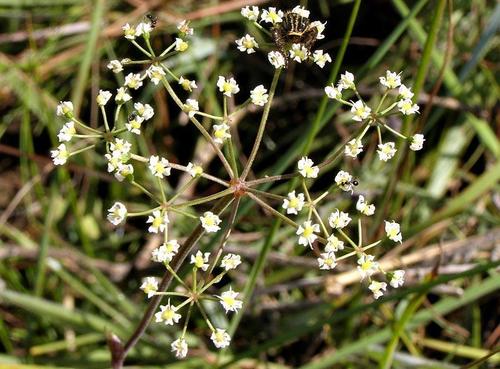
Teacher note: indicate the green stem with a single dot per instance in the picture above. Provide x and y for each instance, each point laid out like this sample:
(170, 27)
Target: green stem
(205, 199)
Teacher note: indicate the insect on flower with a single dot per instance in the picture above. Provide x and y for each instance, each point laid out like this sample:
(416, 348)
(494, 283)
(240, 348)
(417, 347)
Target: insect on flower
(153, 19)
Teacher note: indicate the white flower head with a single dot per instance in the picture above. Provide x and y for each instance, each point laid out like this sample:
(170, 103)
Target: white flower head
(117, 213)
(300, 10)
(321, 58)
(276, 59)
(158, 220)
(320, 27)
(327, 261)
(390, 80)
(200, 260)
(134, 123)
(338, 219)
(405, 92)
(377, 288)
(333, 92)
(210, 222)
(155, 73)
(123, 171)
(120, 147)
(259, 95)
(129, 32)
(230, 261)
(251, 13)
(363, 207)
(271, 15)
(353, 148)
(307, 168)
(65, 108)
(346, 81)
(180, 348)
(333, 244)
(367, 265)
(144, 110)
(386, 151)
(184, 28)
(417, 142)
(191, 107)
(360, 110)
(393, 231)
(221, 132)
(407, 107)
(103, 97)
(306, 233)
(122, 96)
(397, 278)
(247, 44)
(167, 314)
(115, 66)
(67, 132)
(299, 53)
(344, 180)
(159, 167)
(60, 155)
(143, 29)
(149, 286)
(187, 84)
(166, 252)
(229, 301)
(228, 87)
(293, 203)
(133, 80)
(194, 170)
(181, 45)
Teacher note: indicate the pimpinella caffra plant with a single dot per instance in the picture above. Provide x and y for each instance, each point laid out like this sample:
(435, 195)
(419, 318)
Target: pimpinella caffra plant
(214, 215)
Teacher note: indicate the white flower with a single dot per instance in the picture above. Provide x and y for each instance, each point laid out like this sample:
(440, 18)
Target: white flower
(320, 27)
(377, 288)
(194, 170)
(60, 155)
(120, 146)
(159, 167)
(272, 16)
(405, 92)
(167, 314)
(103, 97)
(181, 45)
(186, 84)
(393, 231)
(353, 148)
(158, 220)
(122, 95)
(307, 168)
(276, 59)
(144, 29)
(333, 244)
(200, 260)
(184, 28)
(149, 286)
(230, 261)
(67, 132)
(191, 107)
(134, 123)
(115, 66)
(360, 110)
(133, 80)
(65, 108)
(155, 73)
(229, 302)
(293, 203)
(166, 252)
(180, 347)
(300, 10)
(333, 92)
(397, 278)
(391, 79)
(129, 32)
(210, 222)
(327, 261)
(346, 81)
(386, 151)
(321, 58)
(247, 44)
(299, 53)
(228, 87)
(344, 180)
(367, 266)
(250, 13)
(306, 233)
(407, 107)
(363, 207)
(123, 171)
(338, 219)
(417, 142)
(117, 213)
(144, 110)
(259, 95)
(221, 132)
